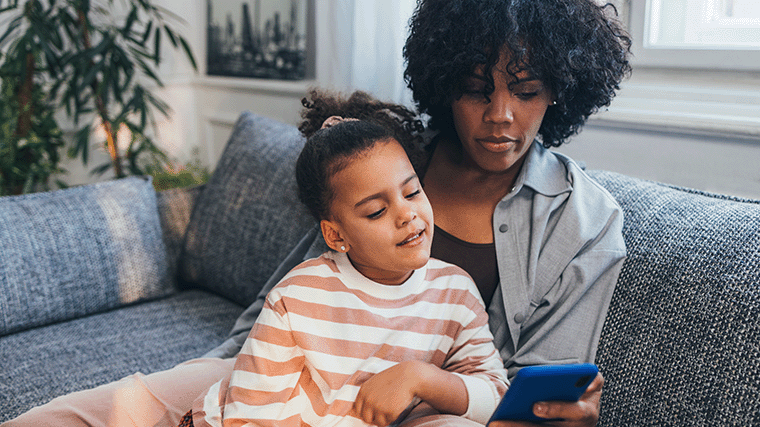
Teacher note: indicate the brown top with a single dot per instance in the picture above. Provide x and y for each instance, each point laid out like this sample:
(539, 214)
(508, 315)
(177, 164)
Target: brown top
(477, 259)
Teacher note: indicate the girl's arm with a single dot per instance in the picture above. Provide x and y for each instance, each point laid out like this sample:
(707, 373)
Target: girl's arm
(470, 383)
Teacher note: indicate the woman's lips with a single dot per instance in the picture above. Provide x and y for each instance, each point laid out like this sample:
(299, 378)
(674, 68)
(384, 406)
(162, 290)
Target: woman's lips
(497, 144)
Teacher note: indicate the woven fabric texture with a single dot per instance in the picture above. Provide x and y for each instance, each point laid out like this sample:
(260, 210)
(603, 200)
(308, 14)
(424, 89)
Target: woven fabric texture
(248, 217)
(40, 364)
(69, 253)
(681, 342)
(174, 209)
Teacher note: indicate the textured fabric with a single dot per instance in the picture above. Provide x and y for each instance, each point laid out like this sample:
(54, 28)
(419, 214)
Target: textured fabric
(174, 209)
(681, 343)
(325, 329)
(248, 217)
(560, 247)
(69, 253)
(40, 364)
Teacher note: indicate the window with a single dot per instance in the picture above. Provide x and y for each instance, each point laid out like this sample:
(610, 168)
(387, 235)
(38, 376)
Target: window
(700, 34)
(702, 24)
(695, 65)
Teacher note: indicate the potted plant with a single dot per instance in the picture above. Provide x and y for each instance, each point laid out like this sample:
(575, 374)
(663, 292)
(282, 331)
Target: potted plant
(98, 59)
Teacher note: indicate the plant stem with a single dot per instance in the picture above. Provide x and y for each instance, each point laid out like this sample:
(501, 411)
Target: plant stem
(100, 105)
(24, 123)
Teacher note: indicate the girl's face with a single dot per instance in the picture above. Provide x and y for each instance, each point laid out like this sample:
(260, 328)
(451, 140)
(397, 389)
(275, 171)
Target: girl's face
(496, 135)
(380, 214)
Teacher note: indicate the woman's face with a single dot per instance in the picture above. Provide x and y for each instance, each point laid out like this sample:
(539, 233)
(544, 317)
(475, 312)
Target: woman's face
(496, 132)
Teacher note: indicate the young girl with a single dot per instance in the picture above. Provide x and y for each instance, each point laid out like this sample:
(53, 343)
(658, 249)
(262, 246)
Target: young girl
(359, 334)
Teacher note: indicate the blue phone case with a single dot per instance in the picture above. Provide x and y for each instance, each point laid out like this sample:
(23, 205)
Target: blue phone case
(541, 384)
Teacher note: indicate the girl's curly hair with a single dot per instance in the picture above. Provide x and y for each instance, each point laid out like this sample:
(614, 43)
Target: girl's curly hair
(404, 123)
(328, 150)
(572, 46)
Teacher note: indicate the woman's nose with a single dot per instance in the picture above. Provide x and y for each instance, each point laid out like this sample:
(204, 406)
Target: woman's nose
(499, 110)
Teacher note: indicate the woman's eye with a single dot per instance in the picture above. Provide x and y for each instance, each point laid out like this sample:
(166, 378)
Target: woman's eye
(376, 214)
(526, 95)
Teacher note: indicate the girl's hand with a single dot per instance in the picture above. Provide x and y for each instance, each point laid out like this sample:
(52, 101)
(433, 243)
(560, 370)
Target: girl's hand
(583, 413)
(385, 395)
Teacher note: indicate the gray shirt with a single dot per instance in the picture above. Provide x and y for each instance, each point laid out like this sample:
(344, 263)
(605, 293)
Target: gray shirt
(559, 247)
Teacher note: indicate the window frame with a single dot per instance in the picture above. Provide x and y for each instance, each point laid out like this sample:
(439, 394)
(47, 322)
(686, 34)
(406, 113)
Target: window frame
(733, 59)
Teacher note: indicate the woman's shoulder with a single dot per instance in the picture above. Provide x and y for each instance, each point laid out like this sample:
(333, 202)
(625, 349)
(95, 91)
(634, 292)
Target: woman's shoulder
(581, 189)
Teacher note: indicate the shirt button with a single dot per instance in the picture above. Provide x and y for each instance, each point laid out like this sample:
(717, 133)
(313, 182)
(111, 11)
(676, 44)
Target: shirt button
(519, 317)
(504, 228)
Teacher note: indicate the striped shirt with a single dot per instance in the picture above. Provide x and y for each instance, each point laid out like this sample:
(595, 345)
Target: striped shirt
(325, 329)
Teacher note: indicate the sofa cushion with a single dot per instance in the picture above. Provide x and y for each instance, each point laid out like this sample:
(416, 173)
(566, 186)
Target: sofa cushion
(69, 253)
(46, 362)
(248, 216)
(174, 208)
(681, 342)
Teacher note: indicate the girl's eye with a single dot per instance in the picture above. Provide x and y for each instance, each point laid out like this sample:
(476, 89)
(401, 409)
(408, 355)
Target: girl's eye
(377, 214)
(413, 195)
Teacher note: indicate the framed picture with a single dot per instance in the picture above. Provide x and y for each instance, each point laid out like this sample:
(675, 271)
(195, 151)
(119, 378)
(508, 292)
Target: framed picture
(267, 39)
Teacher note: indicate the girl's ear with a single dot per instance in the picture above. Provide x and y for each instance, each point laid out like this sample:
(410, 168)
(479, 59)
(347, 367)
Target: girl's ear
(333, 236)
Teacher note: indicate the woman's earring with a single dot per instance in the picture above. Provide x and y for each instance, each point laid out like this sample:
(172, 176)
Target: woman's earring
(343, 248)
(554, 102)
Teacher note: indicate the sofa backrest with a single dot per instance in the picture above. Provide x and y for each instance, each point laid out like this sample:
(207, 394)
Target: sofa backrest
(70, 253)
(248, 217)
(681, 342)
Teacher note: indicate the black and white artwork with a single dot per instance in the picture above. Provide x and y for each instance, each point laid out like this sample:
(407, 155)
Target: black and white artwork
(257, 38)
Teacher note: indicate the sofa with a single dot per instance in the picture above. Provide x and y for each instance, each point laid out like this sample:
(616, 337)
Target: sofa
(101, 281)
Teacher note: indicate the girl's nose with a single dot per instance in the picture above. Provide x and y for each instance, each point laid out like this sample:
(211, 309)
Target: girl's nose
(499, 110)
(407, 215)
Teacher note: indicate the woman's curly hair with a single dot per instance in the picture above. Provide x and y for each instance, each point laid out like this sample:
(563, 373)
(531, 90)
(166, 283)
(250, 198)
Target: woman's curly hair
(328, 150)
(572, 46)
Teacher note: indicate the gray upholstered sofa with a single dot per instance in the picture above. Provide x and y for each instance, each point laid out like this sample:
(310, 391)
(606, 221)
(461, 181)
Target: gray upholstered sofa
(101, 281)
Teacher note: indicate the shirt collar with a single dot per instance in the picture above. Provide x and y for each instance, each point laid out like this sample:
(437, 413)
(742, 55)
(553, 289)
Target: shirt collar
(543, 172)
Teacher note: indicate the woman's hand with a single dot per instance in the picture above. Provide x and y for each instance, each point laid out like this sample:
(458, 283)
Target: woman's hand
(583, 413)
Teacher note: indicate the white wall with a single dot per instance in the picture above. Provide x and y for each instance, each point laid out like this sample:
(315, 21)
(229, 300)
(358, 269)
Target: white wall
(704, 132)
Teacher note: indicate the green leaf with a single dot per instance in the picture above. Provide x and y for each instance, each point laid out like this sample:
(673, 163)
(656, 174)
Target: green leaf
(146, 34)
(131, 18)
(12, 26)
(157, 46)
(170, 34)
(188, 52)
(101, 169)
(81, 144)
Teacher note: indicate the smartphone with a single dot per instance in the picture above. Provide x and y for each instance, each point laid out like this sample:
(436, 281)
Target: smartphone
(542, 384)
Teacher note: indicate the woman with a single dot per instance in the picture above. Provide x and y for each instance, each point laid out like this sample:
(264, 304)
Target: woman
(542, 241)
